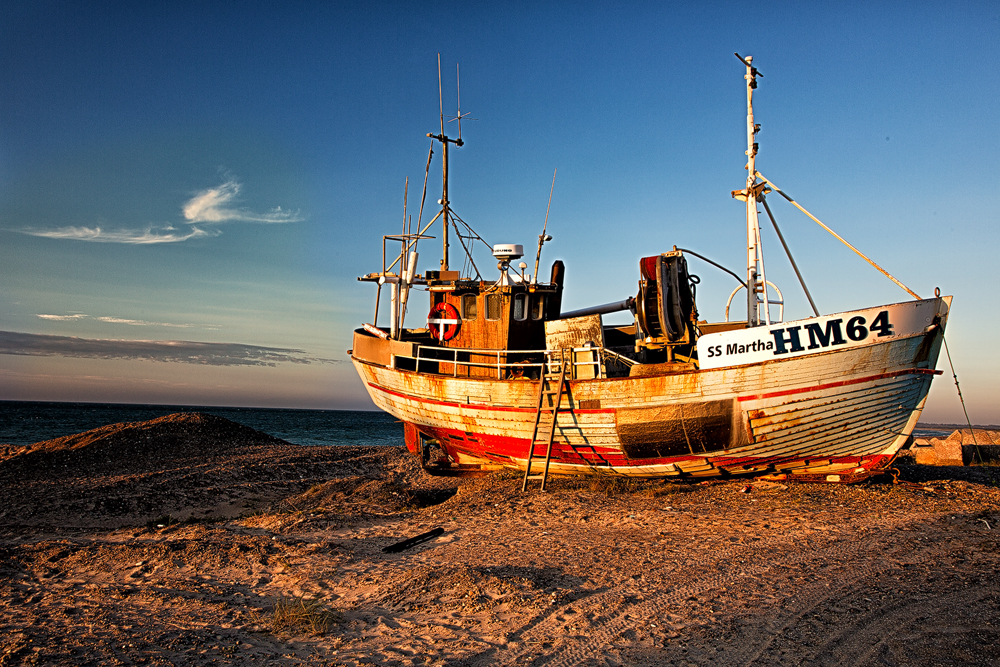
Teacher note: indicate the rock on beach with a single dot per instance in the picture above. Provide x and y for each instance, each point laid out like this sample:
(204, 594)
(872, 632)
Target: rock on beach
(962, 447)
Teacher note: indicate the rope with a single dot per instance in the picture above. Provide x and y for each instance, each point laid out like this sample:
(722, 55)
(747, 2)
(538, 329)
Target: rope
(838, 236)
(789, 253)
(962, 400)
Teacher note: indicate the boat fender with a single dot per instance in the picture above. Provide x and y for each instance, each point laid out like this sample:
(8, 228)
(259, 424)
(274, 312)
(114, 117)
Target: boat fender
(443, 321)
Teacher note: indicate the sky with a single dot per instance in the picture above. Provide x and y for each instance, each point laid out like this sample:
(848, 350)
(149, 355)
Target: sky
(188, 191)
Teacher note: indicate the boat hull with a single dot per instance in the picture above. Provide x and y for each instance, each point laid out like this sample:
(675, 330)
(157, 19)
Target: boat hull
(840, 413)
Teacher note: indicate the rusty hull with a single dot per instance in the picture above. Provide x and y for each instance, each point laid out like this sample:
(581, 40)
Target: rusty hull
(844, 412)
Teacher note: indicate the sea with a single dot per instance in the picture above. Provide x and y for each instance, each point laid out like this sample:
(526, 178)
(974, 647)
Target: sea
(27, 422)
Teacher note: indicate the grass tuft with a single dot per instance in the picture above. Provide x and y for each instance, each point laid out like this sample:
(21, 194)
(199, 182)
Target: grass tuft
(298, 615)
(669, 489)
(614, 485)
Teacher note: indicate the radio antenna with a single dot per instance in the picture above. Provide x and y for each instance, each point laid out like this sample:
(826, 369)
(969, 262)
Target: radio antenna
(406, 192)
(440, 98)
(445, 210)
(458, 92)
(459, 115)
(543, 237)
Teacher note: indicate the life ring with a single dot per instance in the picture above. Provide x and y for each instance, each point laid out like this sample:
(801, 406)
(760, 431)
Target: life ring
(443, 321)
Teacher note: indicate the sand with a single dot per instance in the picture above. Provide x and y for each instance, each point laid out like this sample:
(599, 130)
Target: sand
(191, 540)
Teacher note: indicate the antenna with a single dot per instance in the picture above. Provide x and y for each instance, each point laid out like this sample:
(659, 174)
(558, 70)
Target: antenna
(406, 192)
(746, 61)
(543, 237)
(448, 217)
(459, 115)
(440, 99)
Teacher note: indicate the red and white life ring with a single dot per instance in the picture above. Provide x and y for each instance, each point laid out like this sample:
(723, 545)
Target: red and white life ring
(443, 321)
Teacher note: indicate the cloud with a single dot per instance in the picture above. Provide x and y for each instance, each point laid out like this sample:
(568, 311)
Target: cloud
(113, 320)
(62, 318)
(141, 323)
(170, 351)
(208, 207)
(129, 236)
(211, 206)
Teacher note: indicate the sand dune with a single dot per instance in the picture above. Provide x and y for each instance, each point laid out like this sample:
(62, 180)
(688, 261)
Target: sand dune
(193, 540)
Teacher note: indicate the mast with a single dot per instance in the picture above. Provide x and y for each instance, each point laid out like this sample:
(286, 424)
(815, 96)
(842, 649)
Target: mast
(445, 140)
(756, 280)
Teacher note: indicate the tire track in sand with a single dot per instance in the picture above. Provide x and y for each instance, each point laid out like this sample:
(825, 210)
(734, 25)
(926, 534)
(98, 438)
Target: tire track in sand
(759, 560)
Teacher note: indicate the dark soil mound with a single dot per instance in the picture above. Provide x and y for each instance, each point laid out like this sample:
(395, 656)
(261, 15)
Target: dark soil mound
(185, 466)
(131, 445)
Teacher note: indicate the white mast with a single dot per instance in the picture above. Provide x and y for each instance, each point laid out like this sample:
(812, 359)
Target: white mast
(756, 280)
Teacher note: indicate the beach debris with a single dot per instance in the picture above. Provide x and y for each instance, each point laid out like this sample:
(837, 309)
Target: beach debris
(411, 542)
(747, 489)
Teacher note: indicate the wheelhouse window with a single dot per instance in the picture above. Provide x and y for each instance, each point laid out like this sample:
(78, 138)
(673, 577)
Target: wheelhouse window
(493, 306)
(520, 309)
(469, 310)
(537, 307)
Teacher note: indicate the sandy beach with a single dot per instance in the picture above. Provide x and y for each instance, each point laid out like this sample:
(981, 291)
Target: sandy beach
(191, 540)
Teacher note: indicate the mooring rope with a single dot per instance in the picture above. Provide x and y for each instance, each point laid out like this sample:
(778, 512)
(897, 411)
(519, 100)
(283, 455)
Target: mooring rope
(961, 399)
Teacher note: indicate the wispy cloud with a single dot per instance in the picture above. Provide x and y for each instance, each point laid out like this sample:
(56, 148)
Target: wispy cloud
(113, 320)
(208, 207)
(214, 205)
(62, 318)
(170, 351)
(129, 236)
(141, 323)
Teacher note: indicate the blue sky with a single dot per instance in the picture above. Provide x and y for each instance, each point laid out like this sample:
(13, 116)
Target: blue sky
(219, 173)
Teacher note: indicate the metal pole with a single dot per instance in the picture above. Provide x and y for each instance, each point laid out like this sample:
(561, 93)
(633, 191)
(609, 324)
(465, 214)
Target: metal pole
(444, 207)
(541, 239)
(756, 278)
(790, 259)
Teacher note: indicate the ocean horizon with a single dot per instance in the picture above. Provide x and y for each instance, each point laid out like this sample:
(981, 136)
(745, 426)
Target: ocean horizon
(28, 422)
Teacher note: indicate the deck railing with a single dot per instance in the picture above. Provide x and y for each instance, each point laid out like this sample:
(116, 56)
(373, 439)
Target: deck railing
(592, 357)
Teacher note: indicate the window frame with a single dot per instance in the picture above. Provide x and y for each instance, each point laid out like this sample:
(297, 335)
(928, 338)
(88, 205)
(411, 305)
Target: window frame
(537, 303)
(468, 299)
(521, 299)
(494, 299)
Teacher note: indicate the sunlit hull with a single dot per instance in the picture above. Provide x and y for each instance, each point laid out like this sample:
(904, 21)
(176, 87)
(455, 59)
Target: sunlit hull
(840, 412)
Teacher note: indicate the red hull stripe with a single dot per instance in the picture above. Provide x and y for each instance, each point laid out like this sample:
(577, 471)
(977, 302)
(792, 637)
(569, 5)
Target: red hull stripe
(502, 449)
(830, 385)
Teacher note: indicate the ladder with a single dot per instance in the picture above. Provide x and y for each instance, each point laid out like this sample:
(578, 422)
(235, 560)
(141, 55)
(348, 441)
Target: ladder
(551, 387)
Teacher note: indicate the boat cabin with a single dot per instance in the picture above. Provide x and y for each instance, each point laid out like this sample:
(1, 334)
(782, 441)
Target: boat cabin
(506, 329)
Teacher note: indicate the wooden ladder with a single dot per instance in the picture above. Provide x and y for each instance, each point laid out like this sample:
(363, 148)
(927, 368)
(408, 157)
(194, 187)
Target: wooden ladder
(551, 387)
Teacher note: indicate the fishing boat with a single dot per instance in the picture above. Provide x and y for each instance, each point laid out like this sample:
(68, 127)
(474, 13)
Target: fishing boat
(500, 376)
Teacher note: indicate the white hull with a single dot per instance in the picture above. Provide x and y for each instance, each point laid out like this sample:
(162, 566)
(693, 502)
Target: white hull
(841, 411)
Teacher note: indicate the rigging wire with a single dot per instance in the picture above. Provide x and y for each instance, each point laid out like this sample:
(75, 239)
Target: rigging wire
(838, 236)
(423, 197)
(962, 400)
(790, 259)
(472, 233)
(468, 255)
